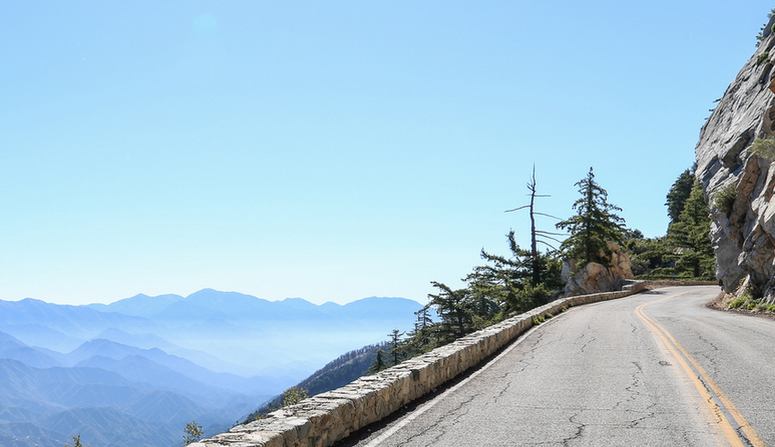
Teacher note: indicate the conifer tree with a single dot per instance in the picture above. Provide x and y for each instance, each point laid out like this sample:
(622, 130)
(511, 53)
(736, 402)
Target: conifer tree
(594, 225)
(454, 309)
(420, 337)
(192, 433)
(424, 320)
(679, 193)
(395, 345)
(379, 363)
(690, 237)
(76, 441)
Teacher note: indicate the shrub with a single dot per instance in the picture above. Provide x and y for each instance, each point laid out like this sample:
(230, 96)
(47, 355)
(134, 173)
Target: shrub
(760, 36)
(724, 199)
(764, 148)
(294, 395)
(737, 302)
(762, 58)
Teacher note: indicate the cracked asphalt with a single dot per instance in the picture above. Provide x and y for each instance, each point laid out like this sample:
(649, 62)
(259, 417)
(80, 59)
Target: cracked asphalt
(597, 376)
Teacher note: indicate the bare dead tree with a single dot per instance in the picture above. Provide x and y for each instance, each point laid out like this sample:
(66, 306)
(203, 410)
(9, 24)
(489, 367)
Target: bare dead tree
(536, 236)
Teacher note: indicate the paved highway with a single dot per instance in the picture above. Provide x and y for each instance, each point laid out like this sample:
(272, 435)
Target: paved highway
(654, 369)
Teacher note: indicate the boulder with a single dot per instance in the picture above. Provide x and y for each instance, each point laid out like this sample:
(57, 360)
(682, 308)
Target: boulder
(595, 277)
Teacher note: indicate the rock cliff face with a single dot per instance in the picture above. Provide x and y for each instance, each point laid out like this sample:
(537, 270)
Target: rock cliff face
(739, 182)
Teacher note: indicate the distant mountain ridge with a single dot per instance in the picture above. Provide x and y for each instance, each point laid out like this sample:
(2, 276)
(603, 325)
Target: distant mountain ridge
(210, 303)
(133, 372)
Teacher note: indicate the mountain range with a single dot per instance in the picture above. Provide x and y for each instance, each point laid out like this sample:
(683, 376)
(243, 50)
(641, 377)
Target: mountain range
(135, 371)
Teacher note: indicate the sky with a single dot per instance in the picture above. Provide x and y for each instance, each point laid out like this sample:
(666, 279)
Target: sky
(333, 150)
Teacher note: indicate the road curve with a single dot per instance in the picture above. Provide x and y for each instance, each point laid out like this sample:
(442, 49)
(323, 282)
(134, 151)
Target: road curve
(656, 369)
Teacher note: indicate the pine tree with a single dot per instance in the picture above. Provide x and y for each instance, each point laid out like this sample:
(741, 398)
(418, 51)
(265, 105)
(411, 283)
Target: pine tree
(454, 309)
(192, 433)
(679, 193)
(395, 345)
(506, 283)
(76, 442)
(594, 225)
(689, 237)
(420, 337)
(379, 363)
(424, 320)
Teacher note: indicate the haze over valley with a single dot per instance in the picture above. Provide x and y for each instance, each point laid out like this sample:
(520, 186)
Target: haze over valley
(145, 366)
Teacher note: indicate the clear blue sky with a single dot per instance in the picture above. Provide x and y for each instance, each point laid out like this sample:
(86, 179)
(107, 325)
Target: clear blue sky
(332, 150)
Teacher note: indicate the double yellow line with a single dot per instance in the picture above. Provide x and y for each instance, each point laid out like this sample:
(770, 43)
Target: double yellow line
(705, 386)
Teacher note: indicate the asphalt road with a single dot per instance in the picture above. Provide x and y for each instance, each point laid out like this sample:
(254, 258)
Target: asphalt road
(654, 369)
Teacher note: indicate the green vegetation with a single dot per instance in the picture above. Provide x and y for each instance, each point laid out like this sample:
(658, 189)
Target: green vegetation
(76, 442)
(526, 278)
(502, 286)
(762, 58)
(294, 395)
(379, 363)
(747, 302)
(678, 194)
(760, 36)
(594, 225)
(192, 433)
(724, 199)
(764, 148)
(689, 238)
(396, 351)
(338, 372)
(685, 252)
(522, 279)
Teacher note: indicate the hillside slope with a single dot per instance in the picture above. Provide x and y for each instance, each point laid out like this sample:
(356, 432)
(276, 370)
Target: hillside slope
(336, 373)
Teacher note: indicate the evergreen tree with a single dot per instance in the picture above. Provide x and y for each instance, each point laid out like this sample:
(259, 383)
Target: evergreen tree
(506, 283)
(379, 363)
(454, 309)
(689, 237)
(395, 345)
(424, 320)
(76, 441)
(594, 225)
(420, 338)
(679, 193)
(192, 433)
(686, 249)
(649, 256)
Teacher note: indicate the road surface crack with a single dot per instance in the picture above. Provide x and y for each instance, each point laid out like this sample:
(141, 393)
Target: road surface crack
(632, 388)
(580, 426)
(442, 429)
(584, 346)
(529, 355)
(713, 349)
(650, 415)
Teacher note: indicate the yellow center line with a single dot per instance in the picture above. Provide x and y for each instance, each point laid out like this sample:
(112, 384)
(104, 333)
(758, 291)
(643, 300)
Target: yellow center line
(701, 381)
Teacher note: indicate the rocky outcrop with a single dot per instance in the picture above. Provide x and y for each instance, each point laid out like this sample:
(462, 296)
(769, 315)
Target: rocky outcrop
(595, 277)
(738, 182)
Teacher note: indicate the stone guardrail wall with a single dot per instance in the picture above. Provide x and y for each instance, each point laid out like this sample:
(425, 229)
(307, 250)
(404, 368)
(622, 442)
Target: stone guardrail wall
(328, 417)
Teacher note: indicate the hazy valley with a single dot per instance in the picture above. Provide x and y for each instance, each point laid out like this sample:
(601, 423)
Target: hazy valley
(134, 372)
